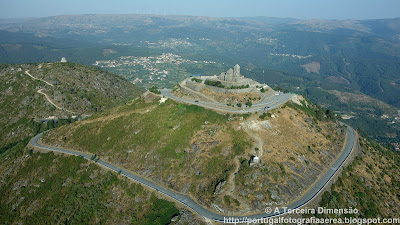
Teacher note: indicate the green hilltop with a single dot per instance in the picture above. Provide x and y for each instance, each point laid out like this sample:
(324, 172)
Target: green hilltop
(77, 90)
(205, 154)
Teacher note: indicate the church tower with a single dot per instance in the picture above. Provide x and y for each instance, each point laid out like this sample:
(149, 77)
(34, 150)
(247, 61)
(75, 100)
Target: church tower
(236, 71)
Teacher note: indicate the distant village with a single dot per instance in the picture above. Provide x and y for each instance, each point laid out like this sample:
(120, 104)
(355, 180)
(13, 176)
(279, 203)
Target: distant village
(292, 55)
(148, 69)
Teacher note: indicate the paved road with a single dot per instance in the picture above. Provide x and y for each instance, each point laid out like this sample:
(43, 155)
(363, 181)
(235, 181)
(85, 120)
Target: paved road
(187, 201)
(271, 102)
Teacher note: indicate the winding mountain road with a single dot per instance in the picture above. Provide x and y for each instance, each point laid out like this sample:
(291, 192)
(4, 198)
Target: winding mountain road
(313, 192)
(272, 102)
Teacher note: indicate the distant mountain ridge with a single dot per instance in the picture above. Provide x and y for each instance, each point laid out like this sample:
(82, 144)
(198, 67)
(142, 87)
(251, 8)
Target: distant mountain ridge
(354, 56)
(261, 22)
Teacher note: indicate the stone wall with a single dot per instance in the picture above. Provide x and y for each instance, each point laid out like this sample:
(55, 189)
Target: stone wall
(229, 91)
(200, 96)
(195, 86)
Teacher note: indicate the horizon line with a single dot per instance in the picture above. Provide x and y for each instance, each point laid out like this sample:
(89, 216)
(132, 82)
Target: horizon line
(185, 15)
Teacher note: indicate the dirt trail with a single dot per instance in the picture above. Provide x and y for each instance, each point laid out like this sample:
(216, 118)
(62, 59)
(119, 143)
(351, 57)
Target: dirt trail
(231, 187)
(48, 99)
(250, 127)
(231, 178)
(40, 91)
(113, 116)
(51, 102)
(345, 68)
(247, 127)
(27, 73)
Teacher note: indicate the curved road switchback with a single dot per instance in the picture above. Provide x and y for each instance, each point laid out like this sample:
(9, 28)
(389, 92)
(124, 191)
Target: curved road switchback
(313, 192)
(272, 102)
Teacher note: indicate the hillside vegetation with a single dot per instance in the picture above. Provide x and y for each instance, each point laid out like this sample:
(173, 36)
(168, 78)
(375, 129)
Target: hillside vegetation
(206, 155)
(370, 184)
(74, 89)
(371, 115)
(43, 188)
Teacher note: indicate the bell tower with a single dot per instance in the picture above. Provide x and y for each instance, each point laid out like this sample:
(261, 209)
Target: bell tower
(236, 71)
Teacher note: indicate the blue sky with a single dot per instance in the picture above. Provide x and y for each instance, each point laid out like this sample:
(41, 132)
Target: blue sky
(302, 9)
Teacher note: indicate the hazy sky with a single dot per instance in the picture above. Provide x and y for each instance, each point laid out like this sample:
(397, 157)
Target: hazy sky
(302, 9)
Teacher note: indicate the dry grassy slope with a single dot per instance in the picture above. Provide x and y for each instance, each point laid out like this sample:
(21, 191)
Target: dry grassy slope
(194, 151)
(371, 184)
(348, 98)
(154, 141)
(288, 165)
(222, 98)
(38, 188)
(233, 98)
(77, 88)
(312, 67)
